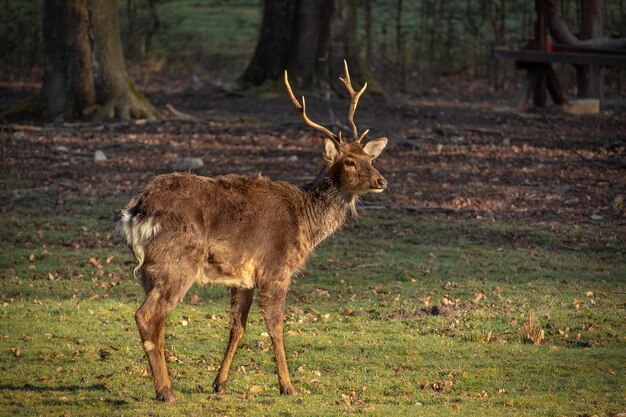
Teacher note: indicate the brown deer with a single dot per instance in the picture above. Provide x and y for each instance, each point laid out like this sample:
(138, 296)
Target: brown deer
(243, 232)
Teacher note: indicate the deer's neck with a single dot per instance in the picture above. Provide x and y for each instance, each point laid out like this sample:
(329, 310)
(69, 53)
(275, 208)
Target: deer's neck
(325, 208)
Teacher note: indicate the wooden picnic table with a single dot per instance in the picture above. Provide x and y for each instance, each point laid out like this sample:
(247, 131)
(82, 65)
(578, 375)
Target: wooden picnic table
(540, 76)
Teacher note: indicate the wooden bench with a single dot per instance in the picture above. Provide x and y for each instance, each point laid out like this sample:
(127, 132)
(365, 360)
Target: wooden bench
(540, 76)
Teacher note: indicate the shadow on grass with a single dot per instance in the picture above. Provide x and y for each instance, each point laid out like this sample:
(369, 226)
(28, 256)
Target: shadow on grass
(45, 388)
(33, 389)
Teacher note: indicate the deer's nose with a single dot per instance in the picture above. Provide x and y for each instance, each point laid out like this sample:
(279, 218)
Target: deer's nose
(381, 182)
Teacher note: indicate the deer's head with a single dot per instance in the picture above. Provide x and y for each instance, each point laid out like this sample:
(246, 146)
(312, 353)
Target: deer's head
(349, 164)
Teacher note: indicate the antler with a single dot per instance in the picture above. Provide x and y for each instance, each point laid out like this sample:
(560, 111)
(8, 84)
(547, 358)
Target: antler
(302, 110)
(355, 101)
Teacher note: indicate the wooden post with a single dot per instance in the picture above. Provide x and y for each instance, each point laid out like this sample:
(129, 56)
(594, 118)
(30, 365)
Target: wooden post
(590, 77)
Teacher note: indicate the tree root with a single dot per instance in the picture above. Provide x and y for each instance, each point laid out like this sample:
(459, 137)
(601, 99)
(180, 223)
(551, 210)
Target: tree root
(128, 105)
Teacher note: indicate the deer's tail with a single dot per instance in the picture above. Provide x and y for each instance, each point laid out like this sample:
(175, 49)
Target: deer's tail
(137, 230)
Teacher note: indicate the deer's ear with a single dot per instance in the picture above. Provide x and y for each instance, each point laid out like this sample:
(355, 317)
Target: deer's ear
(330, 151)
(374, 147)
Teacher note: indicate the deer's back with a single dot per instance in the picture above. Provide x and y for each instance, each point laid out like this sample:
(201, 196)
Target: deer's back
(232, 230)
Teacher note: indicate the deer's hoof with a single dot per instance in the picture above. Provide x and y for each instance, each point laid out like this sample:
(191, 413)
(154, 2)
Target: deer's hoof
(166, 395)
(288, 390)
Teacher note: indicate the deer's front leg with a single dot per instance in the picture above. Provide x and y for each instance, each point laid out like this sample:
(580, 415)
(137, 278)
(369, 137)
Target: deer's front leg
(241, 299)
(272, 302)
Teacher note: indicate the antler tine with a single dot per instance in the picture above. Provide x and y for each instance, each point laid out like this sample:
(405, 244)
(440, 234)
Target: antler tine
(302, 110)
(362, 136)
(354, 95)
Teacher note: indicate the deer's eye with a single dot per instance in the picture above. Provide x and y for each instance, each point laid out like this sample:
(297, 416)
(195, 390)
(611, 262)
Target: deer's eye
(350, 163)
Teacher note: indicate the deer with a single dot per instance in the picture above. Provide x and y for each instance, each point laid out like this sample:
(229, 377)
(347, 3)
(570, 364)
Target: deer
(243, 232)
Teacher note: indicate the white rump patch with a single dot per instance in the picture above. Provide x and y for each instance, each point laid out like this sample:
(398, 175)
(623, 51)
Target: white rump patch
(137, 232)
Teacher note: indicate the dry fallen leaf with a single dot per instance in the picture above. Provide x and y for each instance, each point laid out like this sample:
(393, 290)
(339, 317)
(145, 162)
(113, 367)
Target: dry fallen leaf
(479, 296)
(446, 300)
(96, 263)
(255, 389)
(322, 293)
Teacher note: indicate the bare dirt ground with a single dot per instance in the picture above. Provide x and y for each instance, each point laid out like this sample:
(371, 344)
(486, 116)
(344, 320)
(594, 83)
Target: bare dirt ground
(451, 154)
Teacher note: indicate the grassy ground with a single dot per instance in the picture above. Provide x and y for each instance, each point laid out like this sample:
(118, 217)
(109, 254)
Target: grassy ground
(397, 315)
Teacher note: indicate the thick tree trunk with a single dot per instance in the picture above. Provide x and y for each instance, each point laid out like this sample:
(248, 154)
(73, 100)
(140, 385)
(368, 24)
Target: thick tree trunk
(123, 100)
(276, 42)
(74, 85)
(68, 86)
(344, 45)
(308, 38)
(309, 59)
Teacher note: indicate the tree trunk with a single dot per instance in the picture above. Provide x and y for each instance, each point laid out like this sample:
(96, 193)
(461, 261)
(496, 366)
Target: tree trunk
(498, 26)
(400, 54)
(123, 100)
(68, 86)
(562, 35)
(276, 42)
(155, 24)
(84, 69)
(473, 19)
(309, 39)
(344, 45)
(590, 77)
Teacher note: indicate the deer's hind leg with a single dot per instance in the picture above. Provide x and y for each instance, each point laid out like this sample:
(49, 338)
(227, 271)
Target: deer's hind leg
(241, 299)
(162, 296)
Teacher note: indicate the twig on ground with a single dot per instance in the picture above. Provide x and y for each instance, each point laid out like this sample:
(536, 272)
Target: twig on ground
(484, 130)
(178, 114)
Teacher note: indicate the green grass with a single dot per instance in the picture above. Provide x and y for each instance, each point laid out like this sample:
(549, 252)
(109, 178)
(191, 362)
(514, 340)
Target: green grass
(361, 338)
